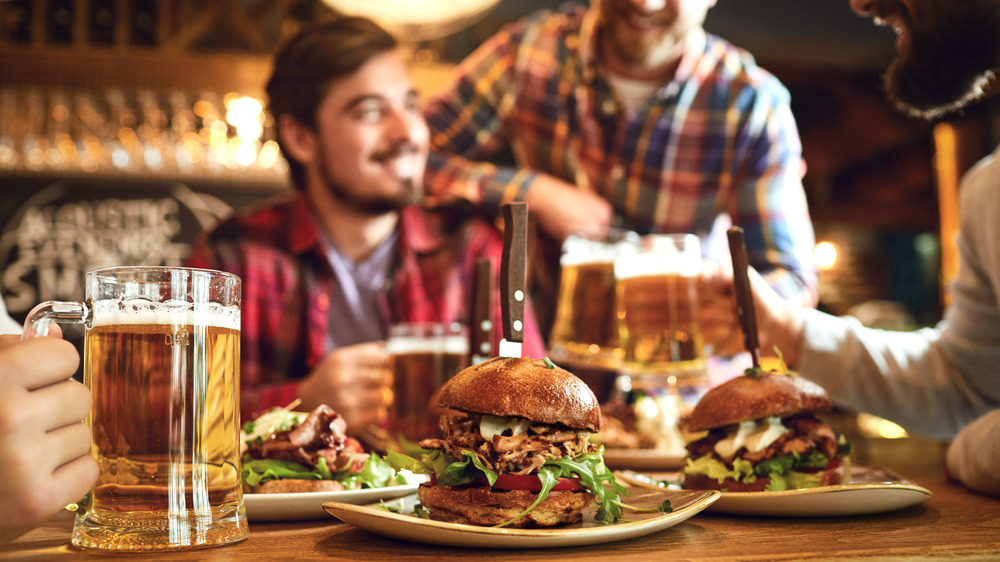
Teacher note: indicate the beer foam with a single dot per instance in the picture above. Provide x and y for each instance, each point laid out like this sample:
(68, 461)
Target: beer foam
(578, 250)
(644, 265)
(454, 344)
(171, 312)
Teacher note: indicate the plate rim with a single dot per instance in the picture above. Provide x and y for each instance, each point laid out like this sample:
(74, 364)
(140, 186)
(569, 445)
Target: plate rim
(655, 523)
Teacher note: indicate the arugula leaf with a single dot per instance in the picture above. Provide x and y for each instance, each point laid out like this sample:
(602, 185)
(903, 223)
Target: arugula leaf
(549, 364)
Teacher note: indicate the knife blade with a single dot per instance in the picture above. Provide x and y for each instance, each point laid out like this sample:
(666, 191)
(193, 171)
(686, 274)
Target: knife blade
(513, 273)
(744, 298)
(481, 331)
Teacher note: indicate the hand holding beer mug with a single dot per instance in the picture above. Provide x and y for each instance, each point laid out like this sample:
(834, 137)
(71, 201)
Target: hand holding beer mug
(422, 356)
(161, 359)
(663, 370)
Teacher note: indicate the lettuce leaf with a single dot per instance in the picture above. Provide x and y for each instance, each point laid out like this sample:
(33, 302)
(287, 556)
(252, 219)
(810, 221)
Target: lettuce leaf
(375, 473)
(594, 475)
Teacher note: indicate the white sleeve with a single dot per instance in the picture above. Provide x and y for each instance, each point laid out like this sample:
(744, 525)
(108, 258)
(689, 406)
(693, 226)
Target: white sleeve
(7, 324)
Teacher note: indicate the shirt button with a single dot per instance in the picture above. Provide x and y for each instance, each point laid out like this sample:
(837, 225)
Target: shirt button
(323, 302)
(609, 107)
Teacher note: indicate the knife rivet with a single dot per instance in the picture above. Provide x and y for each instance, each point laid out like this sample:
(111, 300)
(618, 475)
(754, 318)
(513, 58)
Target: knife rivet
(486, 325)
(519, 295)
(517, 325)
(485, 347)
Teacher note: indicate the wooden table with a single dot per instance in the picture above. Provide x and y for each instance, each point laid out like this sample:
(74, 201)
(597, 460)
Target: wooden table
(954, 523)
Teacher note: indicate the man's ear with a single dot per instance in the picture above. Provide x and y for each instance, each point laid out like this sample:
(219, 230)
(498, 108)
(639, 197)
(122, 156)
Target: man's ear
(297, 140)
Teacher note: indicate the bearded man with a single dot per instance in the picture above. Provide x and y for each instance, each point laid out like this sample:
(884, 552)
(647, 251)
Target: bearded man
(352, 251)
(627, 113)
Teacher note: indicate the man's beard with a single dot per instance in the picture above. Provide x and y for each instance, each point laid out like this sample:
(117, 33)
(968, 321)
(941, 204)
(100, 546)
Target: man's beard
(947, 65)
(374, 205)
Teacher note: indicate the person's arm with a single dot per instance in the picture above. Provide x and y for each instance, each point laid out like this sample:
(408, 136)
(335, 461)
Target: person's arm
(770, 202)
(45, 460)
(973, 458)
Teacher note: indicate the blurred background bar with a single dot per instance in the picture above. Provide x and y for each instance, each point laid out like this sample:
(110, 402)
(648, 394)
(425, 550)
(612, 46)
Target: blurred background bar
(127, 126)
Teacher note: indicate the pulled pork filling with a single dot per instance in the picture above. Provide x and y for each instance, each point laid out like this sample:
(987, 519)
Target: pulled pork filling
(808, 434)
(507, 452)
(321, 434)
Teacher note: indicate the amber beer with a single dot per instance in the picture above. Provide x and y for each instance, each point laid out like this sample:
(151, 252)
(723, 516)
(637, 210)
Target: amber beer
(585, 313)
(161, 359)
(585, 332)
(422, 358)
(147, 433)
(658, 325)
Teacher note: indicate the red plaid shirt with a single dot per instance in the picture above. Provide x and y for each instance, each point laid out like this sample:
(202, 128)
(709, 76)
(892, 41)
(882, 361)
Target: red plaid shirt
(287, 282)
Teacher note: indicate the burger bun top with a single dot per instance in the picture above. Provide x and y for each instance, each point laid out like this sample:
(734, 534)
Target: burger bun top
(524, 388)
(755, 396)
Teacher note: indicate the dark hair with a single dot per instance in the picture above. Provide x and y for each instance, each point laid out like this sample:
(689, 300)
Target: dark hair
(306, 67)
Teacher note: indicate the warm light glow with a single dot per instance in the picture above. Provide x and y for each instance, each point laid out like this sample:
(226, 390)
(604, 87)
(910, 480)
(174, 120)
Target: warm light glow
(874, 426)
(825, 255)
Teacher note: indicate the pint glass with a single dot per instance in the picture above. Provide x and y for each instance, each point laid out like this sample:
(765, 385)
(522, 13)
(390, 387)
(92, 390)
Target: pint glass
(423, 356)
(658, 321)
(161, 359)
(585, 331)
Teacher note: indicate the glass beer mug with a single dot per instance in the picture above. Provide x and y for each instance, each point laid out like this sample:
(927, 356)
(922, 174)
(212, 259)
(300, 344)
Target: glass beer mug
(161, 359)
(585, 330)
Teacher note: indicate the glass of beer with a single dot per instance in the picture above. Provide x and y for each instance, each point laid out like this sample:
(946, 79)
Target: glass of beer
(658, 326)
(585, 331)
(422, 356)
(162, 360)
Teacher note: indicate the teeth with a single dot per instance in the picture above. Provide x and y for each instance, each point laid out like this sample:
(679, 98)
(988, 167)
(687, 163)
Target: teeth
(405, 166)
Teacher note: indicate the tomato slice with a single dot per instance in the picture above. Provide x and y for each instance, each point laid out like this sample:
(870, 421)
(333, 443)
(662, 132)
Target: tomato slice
(531, 483)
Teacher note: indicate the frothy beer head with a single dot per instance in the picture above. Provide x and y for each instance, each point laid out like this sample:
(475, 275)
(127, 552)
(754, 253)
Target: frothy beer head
(171, 312)
(678, 255)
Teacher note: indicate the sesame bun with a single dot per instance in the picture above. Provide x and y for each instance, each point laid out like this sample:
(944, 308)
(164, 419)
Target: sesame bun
(523, 388)
(751, 397)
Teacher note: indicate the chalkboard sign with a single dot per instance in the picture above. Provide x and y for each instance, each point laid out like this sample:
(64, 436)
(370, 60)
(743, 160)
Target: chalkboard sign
(54, 230)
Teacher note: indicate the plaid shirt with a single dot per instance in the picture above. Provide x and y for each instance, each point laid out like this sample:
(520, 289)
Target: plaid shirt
(718, 138)
(287, 282)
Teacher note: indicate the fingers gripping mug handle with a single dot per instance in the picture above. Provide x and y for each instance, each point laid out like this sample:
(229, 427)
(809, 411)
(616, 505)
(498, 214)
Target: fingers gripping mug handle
(38, 320)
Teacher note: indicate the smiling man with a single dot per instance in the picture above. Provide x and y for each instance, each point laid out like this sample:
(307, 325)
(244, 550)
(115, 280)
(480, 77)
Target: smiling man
(628, 113)
(352, 251)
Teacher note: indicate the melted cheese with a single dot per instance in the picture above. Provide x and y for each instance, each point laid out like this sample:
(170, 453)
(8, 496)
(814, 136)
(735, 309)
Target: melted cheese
(493, 425)
(755, 436)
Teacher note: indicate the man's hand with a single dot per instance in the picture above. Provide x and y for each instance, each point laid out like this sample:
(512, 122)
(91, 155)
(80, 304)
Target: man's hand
(45, 460)
(354, 381)
(562, 209)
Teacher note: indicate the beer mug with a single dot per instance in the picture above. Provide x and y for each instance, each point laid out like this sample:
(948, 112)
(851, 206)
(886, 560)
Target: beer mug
(585, 330)
(663, 357)
(422, 356)
(161, 359)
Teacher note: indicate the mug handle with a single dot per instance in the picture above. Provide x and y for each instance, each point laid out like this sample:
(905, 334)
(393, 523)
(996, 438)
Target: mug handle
(37, 323)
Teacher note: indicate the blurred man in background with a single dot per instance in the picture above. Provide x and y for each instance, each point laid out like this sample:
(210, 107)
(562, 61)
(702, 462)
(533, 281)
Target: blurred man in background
(628, 114)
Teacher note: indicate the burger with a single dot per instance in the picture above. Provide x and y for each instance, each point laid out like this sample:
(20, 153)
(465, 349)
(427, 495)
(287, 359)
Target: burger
(515, 449)
(762, 435)
(289, 452)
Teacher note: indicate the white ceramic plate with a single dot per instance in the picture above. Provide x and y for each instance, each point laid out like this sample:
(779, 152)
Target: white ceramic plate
(643, 459)
(309, 505)
(685, 503)
(871, 490)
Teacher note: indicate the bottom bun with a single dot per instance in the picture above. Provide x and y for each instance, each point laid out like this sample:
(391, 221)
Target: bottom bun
(828, 477)
(294, 486)
(485, 506)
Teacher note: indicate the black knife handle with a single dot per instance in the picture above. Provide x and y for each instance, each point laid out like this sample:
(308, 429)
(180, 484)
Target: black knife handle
(481, 330)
